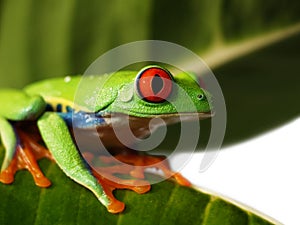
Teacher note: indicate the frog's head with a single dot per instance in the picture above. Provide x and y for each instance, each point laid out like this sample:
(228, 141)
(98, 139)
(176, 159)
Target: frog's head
(155, 92)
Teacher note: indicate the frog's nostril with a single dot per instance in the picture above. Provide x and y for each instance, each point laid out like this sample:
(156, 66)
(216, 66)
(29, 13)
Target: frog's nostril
(200, 96)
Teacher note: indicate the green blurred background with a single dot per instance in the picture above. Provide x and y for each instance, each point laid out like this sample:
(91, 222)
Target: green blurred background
(41, 39)
(53, 37)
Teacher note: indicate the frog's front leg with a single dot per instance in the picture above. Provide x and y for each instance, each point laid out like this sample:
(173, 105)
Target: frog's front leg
(57, 138)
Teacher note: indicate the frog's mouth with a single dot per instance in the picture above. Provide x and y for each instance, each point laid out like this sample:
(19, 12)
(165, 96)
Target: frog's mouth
(182, 115)
(186, 116)
(171, 118)
(157, 120)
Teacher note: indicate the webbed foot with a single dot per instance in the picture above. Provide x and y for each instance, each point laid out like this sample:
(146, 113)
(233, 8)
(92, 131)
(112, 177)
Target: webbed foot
(110, 183)
(139, 164)
(27, 153)
(129, 164)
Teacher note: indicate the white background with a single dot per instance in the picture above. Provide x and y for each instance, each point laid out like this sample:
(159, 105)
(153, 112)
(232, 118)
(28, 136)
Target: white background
(262, 173)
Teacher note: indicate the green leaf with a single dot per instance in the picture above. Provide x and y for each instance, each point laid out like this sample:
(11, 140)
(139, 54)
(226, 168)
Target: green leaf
(66, 202)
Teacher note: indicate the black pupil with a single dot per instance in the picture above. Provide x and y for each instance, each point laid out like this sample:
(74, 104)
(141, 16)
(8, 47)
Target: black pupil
(157, 84)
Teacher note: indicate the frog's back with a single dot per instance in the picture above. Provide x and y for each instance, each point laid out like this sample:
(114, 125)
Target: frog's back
(60, 92)
(90, 93)
(62, 87)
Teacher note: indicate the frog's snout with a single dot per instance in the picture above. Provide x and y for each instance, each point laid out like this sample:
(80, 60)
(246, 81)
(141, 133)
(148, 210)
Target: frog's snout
(205, 96)
(205, 99)
(200, 96)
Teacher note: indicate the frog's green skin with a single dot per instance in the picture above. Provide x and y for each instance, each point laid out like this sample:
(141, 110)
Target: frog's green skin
(103, 96)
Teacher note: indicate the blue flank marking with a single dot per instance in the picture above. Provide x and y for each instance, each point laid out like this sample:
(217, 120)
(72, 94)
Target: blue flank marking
(69, 109)
(77, 119)
(81, 119)
(49, 107)
(58, 108)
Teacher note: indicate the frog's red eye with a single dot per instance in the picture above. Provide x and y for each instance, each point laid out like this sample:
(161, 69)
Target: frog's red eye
(154, 84)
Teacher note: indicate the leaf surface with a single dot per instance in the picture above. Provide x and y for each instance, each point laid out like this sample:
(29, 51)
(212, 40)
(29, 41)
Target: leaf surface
(66, 202)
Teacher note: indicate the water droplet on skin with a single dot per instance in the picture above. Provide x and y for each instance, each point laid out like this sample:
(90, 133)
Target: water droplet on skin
(67, 79)
(126, 94)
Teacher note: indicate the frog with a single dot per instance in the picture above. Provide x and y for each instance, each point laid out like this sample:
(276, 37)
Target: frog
(39, 122)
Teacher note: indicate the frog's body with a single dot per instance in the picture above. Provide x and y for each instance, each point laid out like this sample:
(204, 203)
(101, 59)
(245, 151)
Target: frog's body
(46, 111)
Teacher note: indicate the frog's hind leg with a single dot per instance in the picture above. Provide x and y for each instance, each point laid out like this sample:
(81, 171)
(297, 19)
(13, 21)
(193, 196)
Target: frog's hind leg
(26, 153)
(21, 150)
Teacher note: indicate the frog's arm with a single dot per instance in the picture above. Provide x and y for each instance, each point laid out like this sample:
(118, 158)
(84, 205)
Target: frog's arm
(56, 136)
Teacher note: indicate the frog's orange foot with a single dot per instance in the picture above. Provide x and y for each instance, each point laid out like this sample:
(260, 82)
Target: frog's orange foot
(110, 182)
(26, 156)
(140, 163)
(129, 164)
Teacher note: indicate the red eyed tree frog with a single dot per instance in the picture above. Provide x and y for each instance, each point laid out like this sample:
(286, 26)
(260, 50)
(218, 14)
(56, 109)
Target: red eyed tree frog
(38, 122)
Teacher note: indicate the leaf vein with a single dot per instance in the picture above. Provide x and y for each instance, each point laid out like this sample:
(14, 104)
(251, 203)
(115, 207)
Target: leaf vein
(120, 216)
(42, 192)
(169, 202)
(79, 207)
(207, 209)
